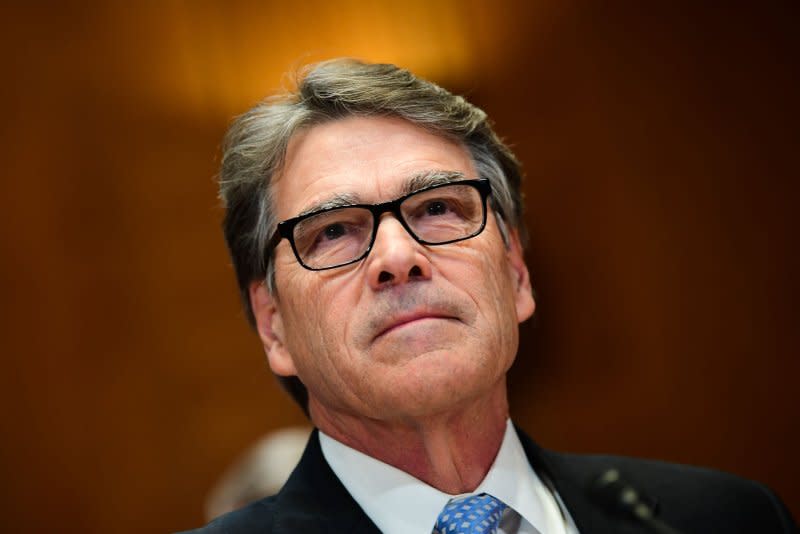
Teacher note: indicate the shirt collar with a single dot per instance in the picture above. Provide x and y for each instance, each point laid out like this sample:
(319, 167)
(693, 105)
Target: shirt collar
(399, 503)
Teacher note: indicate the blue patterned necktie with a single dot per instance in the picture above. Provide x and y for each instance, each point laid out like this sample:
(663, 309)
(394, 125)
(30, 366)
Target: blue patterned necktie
(476, 514)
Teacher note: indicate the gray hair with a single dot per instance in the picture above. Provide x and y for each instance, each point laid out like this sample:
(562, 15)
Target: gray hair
(255, 148)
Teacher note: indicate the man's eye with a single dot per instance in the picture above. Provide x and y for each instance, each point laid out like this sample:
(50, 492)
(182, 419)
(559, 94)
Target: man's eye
(436, 207)
(333, 231)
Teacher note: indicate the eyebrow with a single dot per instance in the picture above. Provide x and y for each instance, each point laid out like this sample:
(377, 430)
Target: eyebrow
(336, 201)
(416, 182)
(426, 179)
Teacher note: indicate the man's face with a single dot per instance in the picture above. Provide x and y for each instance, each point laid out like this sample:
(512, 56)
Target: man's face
(411, 329)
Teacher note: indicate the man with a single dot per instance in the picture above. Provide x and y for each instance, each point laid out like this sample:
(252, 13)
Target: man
(374, 221)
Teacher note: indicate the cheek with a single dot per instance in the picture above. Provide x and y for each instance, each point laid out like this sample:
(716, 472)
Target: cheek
(497, 289)
(315, 318)
(496, 302)
(306, 323)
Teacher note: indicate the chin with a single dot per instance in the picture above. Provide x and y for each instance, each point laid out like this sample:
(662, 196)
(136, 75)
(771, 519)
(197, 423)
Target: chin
(420, 340)
(427, 390)
(431, 351)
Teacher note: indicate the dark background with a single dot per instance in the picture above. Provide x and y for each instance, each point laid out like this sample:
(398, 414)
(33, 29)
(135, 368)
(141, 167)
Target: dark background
(660, 143)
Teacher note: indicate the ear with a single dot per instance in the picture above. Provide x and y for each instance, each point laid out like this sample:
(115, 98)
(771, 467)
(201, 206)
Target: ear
(270, 330)
(522, 282)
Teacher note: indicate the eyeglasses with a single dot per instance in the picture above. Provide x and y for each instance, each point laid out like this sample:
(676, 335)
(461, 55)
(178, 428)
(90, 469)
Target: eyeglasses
(437, 215)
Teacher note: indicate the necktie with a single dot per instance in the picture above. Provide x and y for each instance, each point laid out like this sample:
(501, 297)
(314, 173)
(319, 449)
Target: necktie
(476, 514)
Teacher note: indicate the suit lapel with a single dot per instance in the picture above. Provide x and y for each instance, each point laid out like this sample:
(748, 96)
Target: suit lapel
(571, 482)
(313, 500)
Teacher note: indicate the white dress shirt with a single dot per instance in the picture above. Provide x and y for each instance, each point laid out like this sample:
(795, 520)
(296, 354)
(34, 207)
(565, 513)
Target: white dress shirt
(398, 503)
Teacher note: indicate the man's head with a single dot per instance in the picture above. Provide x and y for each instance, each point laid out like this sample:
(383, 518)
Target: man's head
(355, 132)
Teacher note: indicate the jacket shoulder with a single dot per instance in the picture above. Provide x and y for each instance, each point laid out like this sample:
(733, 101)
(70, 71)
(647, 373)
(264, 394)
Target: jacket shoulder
(313, 501)
(255, 517)
(695, 498)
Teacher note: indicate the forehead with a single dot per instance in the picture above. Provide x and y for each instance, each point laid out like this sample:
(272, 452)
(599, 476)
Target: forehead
(368, 159)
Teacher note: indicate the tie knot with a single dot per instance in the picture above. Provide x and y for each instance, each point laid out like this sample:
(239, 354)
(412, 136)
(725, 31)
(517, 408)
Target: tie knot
(475, 514)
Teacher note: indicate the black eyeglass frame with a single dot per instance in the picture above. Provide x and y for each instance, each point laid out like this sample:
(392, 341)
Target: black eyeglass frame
(285, 228)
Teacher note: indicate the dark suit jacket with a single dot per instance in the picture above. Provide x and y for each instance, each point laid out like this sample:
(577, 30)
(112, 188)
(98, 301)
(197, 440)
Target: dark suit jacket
(690, 499)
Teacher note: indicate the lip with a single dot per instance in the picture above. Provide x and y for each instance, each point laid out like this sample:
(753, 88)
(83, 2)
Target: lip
(403, 319)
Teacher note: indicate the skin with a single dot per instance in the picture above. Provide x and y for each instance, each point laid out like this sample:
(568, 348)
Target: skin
(404, 353)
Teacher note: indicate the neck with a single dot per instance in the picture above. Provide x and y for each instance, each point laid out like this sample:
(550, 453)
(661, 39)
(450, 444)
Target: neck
(450, 451)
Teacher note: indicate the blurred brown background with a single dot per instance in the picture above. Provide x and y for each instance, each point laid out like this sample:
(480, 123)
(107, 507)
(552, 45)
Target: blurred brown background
(660, 143)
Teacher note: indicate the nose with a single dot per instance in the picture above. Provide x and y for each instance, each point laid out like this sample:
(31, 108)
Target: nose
(396, 257)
